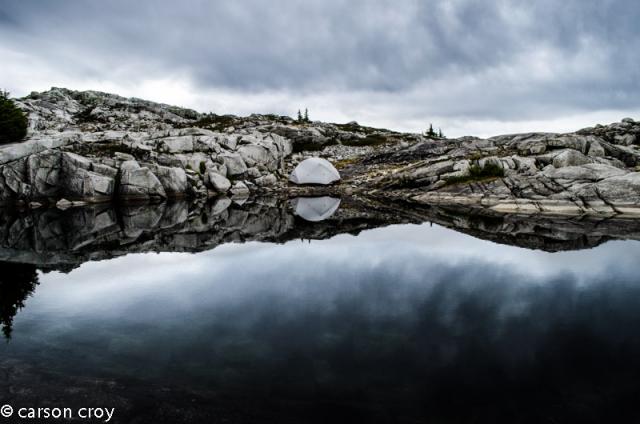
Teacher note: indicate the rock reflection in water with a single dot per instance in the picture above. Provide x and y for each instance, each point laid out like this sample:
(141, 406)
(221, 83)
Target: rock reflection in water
(53, 239)
(56, 239)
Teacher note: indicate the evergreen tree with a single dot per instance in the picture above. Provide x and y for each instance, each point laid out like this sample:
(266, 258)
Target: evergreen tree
(299, 116)
(430, 131)
(306, 115)
(13, 122)
(440, 134)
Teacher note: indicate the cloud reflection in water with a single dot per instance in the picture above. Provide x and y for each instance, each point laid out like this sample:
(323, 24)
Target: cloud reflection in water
(417, 318)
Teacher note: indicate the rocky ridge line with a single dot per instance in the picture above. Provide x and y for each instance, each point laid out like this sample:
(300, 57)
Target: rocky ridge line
(95, 147)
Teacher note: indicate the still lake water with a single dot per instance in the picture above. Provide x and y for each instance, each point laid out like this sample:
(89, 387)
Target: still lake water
(405, 323)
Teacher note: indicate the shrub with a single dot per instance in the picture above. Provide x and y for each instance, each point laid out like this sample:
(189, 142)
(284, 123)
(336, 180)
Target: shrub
(489, 170)
(369, 140)
(13, 122)
(478, 173)
(309, 146)
(213, 122)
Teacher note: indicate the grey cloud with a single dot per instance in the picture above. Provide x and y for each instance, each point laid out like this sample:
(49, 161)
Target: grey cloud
(459, 59)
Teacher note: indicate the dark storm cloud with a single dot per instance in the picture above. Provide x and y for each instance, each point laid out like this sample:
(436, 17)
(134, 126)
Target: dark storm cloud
(475, 59)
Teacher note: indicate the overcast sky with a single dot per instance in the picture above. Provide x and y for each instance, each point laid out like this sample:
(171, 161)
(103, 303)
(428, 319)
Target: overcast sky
(471, 67)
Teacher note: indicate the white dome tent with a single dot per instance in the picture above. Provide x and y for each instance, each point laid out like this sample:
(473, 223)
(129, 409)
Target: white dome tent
(314, 171)
(315, 209)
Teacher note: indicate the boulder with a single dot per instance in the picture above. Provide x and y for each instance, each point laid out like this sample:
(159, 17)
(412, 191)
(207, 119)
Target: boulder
(102, 169)
(228, 141)
(88, 185)
(254, 173)
(570, 141)
(503, 163)
(72, 161)
(44, 173)
(182, 144)
(14, 181)
(254, 154)
(138, 219)
(139, 183)
(220, 205)
(596, 150)
(129, 165)
(625, 139)
(217, 182)
(620, 189)
(173, 180)
(239, 189)
(525, 165)
(205, 143)
(234, 163)
(266, 180)
(570, 157)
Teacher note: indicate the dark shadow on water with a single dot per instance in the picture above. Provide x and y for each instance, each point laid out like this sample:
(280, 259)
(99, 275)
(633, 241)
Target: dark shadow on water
(17, 283)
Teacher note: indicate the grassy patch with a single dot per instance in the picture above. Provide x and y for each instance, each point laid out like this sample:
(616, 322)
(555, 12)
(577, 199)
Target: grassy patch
(104, 149)
(477, 173)
(343, 163)
(357, 128)
(476, 156)
(310, 146)
(213, 122)
(369, 140)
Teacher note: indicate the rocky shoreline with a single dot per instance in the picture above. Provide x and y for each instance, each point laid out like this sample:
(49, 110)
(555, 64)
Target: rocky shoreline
(91, 147)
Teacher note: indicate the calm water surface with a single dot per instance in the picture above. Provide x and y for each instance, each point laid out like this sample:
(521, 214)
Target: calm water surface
(408, 323)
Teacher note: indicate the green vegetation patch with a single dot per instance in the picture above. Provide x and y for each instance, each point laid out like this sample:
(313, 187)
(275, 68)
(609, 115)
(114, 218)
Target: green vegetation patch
(13, 122)
(355, 127)
(310, 146)
(214, 122)
(343, 163)
(477, 173)
(369, 140)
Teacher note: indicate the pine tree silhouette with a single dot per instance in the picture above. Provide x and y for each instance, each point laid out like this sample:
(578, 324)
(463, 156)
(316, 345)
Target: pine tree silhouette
(17, 283)
(299, 116)
(430, 131)
(306, 115)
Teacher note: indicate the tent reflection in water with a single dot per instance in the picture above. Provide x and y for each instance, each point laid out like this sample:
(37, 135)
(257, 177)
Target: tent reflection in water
(315, 209)
(314, 171)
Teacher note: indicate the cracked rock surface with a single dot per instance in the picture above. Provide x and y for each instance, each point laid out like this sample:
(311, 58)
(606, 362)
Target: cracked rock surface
(96, 147)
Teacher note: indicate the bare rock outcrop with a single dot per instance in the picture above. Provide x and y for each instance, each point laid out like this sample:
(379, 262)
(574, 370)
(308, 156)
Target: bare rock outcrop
(591, 171)
(82, 146)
